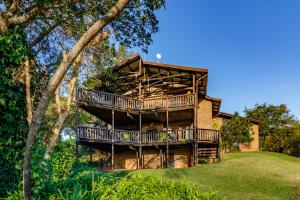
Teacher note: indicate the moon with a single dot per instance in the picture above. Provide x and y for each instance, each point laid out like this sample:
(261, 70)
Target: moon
(158, 56)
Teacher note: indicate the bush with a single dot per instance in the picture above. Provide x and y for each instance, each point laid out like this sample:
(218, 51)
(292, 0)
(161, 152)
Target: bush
(97, 185)
(133, 187)
(13, 128)
(62, 159)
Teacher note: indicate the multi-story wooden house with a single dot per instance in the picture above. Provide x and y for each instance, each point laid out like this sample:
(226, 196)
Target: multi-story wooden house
(156, 115)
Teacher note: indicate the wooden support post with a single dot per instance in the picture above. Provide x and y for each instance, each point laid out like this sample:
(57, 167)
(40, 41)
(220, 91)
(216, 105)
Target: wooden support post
(141, 164)
(113, 142)
(112, 156)
(161, 158)
(91, 155)
(99, 160)
(77, 151)
(167, 126)
(195, 91)
(137, 159)
(140, 142)
(113, 119)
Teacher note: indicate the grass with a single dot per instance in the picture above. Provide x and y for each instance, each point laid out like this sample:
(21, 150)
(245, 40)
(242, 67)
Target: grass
(246, 176)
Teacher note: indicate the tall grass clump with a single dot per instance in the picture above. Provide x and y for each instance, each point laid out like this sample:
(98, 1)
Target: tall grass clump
(134, 187)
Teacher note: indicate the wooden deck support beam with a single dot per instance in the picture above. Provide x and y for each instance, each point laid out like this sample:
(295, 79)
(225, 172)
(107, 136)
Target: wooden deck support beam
(112, 156)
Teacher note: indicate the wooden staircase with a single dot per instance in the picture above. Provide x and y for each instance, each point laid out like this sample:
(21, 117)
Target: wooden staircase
(208, 154)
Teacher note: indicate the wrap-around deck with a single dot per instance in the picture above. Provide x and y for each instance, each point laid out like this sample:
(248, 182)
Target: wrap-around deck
(181, 136)
(135, 105)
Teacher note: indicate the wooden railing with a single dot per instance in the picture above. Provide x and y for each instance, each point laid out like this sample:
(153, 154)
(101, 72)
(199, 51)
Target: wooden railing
(207, 135)
(109, 135)
(107, 99)
(172, 136)
(123, 102)
(168, 102)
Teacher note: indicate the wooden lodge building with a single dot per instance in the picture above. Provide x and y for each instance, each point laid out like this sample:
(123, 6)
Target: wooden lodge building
(156, 116)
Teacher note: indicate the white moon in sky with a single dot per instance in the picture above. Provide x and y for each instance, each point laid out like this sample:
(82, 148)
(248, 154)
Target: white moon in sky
(158, 56)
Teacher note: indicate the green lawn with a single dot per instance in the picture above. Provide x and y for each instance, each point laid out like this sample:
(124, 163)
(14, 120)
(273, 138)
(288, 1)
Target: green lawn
(244, 176)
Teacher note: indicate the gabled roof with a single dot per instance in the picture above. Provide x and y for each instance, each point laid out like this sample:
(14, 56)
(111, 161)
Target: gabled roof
(164, 77)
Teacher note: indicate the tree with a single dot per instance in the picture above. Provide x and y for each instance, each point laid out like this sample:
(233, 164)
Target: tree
(275, 121)
(13, 128)
(68, 58)
(235, 131)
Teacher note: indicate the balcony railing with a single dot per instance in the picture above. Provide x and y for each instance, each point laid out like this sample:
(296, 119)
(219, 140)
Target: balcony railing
(123, 102)
(107, 99)
(134, 137)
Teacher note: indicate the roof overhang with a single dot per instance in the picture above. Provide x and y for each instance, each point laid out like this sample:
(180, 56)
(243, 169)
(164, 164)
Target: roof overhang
(164, 77)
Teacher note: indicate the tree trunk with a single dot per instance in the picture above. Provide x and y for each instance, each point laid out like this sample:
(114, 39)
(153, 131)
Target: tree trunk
(53, 84)
(52, 140)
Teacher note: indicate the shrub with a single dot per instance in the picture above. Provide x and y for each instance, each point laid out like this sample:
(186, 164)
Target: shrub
(132, 187)
(62, 159)
(91, 185)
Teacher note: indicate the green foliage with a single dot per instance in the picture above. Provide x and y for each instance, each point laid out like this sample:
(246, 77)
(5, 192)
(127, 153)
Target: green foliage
(150, 187)
(235, 131)
(276, 128)
(40, 169)
(90, 184)
(13, 128)
(62, 159)
(292, 143)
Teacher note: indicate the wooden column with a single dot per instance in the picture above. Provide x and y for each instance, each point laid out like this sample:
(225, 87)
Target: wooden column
(112, 156)
(77, 151)
(99, 160)
(91, 155)
(113, 119)
(141, 164)
(167, 126)
(195, 124)
(113, 142)
(137, 159)
(161, 158)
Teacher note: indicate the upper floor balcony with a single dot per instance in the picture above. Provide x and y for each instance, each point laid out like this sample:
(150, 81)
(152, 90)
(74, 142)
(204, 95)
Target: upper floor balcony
(109, 100)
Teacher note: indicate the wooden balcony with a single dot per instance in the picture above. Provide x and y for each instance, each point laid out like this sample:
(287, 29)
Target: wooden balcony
(124, 137)
(121, 102)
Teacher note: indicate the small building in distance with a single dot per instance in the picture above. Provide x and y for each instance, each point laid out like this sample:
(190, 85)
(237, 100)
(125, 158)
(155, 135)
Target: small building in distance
(155, 116)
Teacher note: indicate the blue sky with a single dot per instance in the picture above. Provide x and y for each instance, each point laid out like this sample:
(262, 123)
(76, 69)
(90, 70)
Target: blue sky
(250, 47)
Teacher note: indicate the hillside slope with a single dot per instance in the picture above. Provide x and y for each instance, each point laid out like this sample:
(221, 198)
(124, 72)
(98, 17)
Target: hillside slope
(262, 175)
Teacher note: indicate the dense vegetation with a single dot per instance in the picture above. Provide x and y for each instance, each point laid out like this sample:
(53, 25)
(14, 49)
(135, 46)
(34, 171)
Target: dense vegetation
(13, 130)
(72, 180)
(243, 176)
(279, 130)
(235, 131)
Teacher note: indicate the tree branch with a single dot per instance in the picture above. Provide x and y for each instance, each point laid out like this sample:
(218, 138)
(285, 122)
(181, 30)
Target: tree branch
(54, 135)
(24, 18)
(15, 6)
(55, 81)
(28, 95)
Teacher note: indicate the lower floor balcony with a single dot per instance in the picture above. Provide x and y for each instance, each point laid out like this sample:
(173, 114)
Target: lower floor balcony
(163, 137)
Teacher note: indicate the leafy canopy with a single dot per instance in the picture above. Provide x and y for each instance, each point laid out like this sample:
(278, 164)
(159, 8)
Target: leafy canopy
(235, 131)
